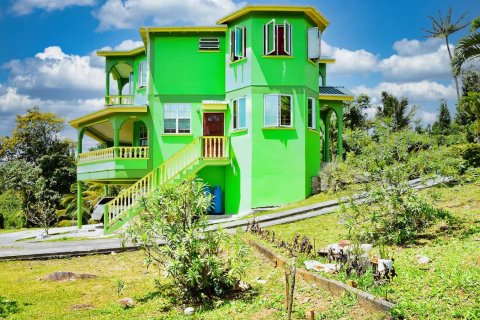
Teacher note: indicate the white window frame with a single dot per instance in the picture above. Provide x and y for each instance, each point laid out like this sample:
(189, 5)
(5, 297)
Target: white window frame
(279, 111)
(177, 118)
(233, 39)
(313, 43)
(314, 113)
(140, 139)
(142, 69)
(236, 114)
(287, 34)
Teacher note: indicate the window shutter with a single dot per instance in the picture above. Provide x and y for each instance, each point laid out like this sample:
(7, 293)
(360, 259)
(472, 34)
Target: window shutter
(244, 42)
(232, 45)
(270, 41)
(238, 42)
(242, 113)
(313, 43)
(287, 36)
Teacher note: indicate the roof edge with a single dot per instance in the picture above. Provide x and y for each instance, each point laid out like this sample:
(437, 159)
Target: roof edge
(112, 53)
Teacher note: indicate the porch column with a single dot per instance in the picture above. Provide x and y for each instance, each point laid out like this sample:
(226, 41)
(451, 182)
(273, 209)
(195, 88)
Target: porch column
(326, 144)
(339, 133)
(107, 87)
(79, 204)
(81, 132)
(106, 190)
(116, 136)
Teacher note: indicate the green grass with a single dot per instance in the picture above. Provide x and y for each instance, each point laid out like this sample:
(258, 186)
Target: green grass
(95, 298)
(445, 288)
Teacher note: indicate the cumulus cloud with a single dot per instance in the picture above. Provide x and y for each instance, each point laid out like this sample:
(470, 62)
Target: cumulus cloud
(416, 60)
(55, 74)
(426, 117)
(349, 61)
(12, 103)
(24, 7)
(416, 92)
(128, 14)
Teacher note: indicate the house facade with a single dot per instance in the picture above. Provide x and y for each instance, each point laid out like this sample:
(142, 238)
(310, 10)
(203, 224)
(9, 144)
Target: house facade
(244, 105)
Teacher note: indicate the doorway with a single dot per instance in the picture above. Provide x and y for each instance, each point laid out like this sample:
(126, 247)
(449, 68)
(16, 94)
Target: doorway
(214, 130)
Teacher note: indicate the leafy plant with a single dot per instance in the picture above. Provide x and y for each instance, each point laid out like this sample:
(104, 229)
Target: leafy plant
(119, 286)
(8, 307)
(200, 262)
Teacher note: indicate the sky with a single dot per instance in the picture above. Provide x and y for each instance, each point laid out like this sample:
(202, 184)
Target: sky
(47, 51)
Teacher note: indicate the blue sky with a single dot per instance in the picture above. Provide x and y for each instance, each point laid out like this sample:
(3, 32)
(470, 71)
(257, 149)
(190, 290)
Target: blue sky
(47, 57)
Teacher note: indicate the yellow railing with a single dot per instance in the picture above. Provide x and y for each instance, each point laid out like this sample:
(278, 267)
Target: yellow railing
(202, 147)
(114, 153)
(119, 100)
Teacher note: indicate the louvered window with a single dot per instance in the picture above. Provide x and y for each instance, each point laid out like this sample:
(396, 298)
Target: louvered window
(207, 44)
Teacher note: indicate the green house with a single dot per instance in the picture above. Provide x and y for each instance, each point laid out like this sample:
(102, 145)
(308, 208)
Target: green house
(244, 105)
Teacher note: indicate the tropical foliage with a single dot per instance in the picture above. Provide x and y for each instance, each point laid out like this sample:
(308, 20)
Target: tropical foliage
(395, 113)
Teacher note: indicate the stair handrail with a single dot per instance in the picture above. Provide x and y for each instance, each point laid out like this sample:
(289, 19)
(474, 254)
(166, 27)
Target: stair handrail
(166, 171)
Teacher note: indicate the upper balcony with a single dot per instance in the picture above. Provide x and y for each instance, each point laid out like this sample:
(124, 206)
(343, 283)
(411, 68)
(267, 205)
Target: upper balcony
(125, 77)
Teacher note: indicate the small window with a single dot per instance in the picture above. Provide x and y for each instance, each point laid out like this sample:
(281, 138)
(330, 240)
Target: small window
(314, 42)
(143, 135)
(238, 43)
(130, 84)
(142, 74)
(277, 39)
(278, 110)
(209, 44)
(176, 117)
(239, 113)
(311, 114)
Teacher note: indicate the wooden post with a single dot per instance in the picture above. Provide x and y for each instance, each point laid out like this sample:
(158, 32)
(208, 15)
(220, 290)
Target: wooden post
(287, 290)
(312, 315)
(293, 270)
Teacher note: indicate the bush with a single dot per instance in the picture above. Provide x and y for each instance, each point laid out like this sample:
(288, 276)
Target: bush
(201, 263)
(11, 210)
(66, 223)
(469, 152)
(7, 307)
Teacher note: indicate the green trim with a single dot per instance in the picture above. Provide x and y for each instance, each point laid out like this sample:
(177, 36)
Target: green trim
(177, 135)
(279, 128)
(313, 130)
(238, 61)
(237, 132)
(279, 56)
(209, 51)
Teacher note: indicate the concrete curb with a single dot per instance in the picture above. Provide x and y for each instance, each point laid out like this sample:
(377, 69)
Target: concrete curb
(365, 299)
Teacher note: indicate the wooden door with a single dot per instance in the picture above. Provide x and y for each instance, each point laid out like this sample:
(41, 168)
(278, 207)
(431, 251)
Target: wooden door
(213, 126)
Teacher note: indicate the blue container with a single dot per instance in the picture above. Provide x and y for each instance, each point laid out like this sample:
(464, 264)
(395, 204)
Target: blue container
(208, 191)
(217, 200)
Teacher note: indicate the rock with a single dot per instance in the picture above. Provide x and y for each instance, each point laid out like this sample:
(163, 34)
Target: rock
(189, 311)
(113, 253)
(68, 276)
(42, 235)
(82, 306)
(422, 259)
(261, 281)
(126, 302)
(243, 286)
(352, 283)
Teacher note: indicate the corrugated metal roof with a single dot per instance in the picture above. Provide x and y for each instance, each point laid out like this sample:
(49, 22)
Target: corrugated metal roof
(331, 90)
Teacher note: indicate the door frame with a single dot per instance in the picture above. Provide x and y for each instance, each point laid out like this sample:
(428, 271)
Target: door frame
(215, 111)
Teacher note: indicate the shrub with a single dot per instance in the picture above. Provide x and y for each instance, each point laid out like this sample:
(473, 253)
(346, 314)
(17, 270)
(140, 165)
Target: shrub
(469, 152)
(201, 263)
(11, 210)
(66, 223)
(7, 307)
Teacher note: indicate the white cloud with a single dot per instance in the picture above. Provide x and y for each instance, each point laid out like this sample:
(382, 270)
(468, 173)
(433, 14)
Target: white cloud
(55, 74)
(128, 14)
(416, 92)
(417, 60)
(427, 117)
(24, 7)
(349, 61)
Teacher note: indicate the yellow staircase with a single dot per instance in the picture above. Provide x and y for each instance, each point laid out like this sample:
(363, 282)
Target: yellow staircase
(201, 152)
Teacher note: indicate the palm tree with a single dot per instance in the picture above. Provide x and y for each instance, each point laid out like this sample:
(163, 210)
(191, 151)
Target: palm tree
(468, 48)
(91, 196)
(471, 104)
(395, 112)
(443, 28)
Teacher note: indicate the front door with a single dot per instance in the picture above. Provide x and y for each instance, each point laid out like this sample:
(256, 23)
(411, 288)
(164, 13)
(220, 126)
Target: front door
(213, 126)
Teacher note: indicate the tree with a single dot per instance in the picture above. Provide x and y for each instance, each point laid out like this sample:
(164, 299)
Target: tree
(471, 105)
(444, 120)
(44, 213)
(192, 255)
(354, 116)
(443, 27)
(470, 83)
(468, 48)
(395, 113)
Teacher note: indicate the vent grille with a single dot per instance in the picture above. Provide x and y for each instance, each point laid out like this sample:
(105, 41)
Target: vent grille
(209, 44)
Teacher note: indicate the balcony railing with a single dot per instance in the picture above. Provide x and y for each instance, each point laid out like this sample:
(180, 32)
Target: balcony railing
(114, 153)
(119, 100)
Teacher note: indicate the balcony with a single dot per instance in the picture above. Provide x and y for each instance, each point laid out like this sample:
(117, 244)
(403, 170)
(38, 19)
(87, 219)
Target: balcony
(116, 163)
(124, 100)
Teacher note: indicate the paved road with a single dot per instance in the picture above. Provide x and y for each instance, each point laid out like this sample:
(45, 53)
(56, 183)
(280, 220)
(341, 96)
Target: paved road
(11, 249)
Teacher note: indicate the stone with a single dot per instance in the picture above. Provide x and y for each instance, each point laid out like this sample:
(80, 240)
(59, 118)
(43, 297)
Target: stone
(422, 259)
(189, 311)
(243, 286)
(42, 235)
(126, 302)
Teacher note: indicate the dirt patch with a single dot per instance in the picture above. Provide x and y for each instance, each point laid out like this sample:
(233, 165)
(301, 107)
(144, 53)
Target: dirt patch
(82, 306)
(264, 314)
(67, 276)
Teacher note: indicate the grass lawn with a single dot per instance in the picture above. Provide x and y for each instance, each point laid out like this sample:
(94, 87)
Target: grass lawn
(446, 288)
(95, 298)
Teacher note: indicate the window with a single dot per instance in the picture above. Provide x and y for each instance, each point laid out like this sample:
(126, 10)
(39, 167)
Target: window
(143, 135)
(277, 39)
(313, 39)
(239, 113)
(311, 114)
(176, 117)
(238, 43)
(278, 110)
(142, 74)
(209, 44)
(130, 84)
